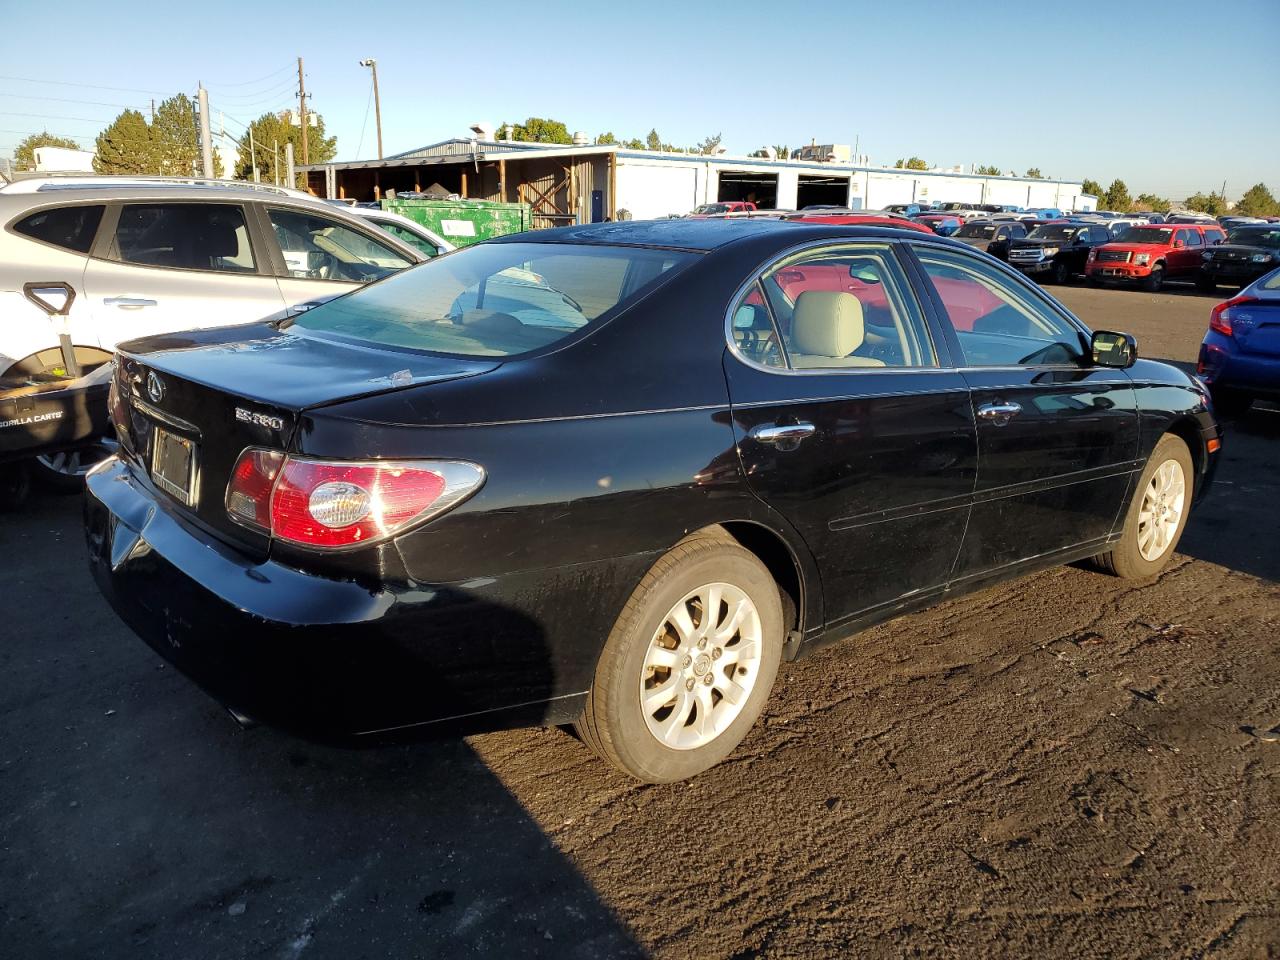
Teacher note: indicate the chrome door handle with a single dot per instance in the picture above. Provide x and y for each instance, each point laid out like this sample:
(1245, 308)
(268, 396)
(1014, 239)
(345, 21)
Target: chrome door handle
(128, 303)
(999, 413)
(788, 435)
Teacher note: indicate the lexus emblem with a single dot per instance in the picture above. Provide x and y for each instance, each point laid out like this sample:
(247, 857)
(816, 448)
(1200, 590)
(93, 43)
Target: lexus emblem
(155, 387)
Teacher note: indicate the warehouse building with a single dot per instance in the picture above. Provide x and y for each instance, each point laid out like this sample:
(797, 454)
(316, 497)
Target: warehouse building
(583, 183)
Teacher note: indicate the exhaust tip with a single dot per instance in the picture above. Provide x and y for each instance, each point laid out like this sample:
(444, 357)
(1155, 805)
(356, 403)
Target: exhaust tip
(246, 723)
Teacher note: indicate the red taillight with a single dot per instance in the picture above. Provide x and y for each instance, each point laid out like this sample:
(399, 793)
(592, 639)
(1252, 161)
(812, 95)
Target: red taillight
(1220, 316)
(249, 491)
(332, 503)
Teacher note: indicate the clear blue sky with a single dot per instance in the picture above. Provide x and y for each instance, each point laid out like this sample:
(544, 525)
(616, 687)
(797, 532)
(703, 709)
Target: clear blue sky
(1171, 96)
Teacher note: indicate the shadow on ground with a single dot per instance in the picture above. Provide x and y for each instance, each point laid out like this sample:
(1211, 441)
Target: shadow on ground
(163, 830)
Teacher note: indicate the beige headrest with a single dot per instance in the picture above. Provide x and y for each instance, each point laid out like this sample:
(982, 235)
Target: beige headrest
(827, 323)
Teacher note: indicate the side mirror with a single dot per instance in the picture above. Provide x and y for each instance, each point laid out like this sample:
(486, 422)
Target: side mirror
(1109, 349)
(1178, 244)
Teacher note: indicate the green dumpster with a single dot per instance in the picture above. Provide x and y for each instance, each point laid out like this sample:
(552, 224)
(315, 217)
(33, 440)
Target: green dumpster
(464, 222)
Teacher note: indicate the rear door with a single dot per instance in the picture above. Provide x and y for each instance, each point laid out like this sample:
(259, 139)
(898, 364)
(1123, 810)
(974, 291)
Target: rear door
(850, 423)
(162, 266)
(1057, 437)
(1189, 256)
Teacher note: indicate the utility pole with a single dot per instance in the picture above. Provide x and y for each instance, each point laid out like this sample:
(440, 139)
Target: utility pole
(275, 164)
(302, 110)
(206, 142)
(288, 165)
(372, 64)
(253, 156)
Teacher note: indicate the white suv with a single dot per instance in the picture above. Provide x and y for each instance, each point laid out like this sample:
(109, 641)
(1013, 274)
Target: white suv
(157, 257)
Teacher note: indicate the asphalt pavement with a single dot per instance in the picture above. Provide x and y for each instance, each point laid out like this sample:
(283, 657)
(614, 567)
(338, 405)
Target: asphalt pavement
(1068, 765)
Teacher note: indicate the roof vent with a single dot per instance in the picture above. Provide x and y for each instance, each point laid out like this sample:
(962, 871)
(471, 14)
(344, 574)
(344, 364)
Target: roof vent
(482, 130)
(580, 139)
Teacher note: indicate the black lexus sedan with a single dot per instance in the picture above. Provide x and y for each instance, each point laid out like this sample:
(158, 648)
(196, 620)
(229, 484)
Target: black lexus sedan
(612, 475)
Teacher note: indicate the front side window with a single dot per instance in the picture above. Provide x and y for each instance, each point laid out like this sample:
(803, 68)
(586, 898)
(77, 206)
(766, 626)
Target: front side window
(837, 308)
(499, 299)
(187, 236)
(317, 248)
(404, 235)
(71, 228)
(1194, 238)
(997, 322)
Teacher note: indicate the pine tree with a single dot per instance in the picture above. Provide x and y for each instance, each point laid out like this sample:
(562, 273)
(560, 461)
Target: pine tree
(1257, 202)
(271, 129)
(125, 147)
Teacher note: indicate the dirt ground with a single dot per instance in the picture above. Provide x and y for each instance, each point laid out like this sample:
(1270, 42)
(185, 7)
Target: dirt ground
(1065, 766)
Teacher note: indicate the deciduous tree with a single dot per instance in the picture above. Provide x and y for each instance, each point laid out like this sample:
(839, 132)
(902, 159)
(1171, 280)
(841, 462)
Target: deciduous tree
(1257, 202)
(1210, 203)
(1093, 188)
(24, 155)
(271, 128)
(915, 163)
(1034, 174)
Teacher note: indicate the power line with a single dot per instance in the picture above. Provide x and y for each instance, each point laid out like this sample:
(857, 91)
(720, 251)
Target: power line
(248, 99)
(51, 116)
(86, 86)
(92, 103)
(248, 83)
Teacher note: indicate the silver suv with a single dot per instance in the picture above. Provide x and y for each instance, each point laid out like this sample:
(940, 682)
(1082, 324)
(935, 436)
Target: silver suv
(148, 258)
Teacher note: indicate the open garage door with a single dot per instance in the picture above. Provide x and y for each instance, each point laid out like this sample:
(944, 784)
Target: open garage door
(758, 188)
(822, 191)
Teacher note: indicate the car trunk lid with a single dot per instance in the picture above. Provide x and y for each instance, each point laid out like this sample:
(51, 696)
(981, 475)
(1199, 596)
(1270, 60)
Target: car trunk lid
(1255, 326)
(191, 403)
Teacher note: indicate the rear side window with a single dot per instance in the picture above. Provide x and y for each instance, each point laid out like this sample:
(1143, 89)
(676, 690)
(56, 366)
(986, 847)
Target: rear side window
(499, 299)
(72, 228)
(188, 236)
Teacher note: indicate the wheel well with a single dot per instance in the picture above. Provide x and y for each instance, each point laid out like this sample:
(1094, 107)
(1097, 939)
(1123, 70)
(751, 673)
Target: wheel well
(1189, 433)
(771, 550)
(42, 360)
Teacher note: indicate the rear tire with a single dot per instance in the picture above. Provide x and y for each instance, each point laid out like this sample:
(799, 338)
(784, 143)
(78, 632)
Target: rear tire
(64, 472)
(1157, 516)
(664, 706)
(1154, 281)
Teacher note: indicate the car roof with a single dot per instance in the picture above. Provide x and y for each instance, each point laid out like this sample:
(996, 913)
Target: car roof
(702, 235)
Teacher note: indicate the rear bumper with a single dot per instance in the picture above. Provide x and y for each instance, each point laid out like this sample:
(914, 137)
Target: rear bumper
(1222, 364)
(327, 659)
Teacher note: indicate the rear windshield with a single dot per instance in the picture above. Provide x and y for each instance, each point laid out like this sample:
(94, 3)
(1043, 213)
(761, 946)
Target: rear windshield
(712, 208)
(499, 299)
(977, 231)
(1255, 236)
(1146, 235)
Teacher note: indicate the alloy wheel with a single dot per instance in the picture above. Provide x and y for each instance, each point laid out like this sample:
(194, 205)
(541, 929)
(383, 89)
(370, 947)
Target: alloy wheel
(1163, 503)
(701, 666)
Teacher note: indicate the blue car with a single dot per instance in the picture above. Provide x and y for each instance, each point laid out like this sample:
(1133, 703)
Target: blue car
(1240, 355)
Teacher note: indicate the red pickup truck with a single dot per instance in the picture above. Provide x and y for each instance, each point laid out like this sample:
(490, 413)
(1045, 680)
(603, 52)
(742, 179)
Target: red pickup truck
(1153, 254)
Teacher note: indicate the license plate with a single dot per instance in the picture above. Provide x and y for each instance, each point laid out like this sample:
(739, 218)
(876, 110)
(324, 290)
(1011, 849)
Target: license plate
(173, 465)
(1111, 272)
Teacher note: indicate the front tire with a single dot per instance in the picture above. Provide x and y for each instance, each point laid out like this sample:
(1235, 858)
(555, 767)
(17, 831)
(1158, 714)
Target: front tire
(688, 665)
(1158, 514)
(1154, 281)
(1060, 274)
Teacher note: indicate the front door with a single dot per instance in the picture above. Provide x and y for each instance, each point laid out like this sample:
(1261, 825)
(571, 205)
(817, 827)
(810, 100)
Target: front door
(1057, 437)
(849, 424)
(177, 266)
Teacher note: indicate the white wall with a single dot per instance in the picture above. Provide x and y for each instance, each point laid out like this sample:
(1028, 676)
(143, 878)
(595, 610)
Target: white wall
(658, 189)
(651, 187)
(62, 160)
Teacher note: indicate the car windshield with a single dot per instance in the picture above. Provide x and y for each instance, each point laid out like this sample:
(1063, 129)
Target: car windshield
(712, 208)
(977, 231)
(1255, 237)
(1053, 231)
(499, 299)
(1145, 235)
